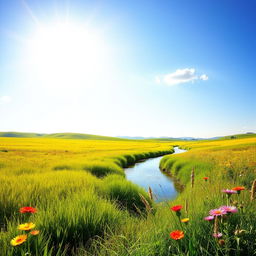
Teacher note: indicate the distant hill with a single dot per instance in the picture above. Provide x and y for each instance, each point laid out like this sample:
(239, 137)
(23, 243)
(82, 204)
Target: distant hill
(161, 138)
(80, 136)
(21, 134)
(239, 136)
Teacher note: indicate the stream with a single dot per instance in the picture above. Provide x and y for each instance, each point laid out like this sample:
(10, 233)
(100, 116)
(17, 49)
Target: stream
(147, 174)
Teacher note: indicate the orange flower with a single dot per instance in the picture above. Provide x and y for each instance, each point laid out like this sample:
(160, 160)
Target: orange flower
(26, 226)
(238, 188)
(18, 240)
(34, 232)
(28, 209)
(205, 178)
(177, 234)
(176, 208)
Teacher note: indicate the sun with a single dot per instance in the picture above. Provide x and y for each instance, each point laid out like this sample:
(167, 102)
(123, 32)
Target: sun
(65, 53)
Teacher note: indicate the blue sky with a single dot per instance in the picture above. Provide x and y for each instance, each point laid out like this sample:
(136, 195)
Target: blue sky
(136, 68)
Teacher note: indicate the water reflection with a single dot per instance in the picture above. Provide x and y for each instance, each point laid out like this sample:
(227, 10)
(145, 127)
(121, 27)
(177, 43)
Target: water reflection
(147, 174)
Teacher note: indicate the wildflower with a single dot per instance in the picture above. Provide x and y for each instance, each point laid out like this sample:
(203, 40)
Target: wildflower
(209, 218)
(229, 191)
(217, 212)
(28, 209)
(34, 232)
(217, 235)
(176, 208)
(229, 209)
(18, 240)
(185, 220)
(26, 226)
(205, 178)
(238, 189)
(177, 234)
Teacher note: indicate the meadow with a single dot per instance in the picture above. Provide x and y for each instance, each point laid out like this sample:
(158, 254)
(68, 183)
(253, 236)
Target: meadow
(85, 206)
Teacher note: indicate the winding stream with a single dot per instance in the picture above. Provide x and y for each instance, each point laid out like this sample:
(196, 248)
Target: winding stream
(147, 174)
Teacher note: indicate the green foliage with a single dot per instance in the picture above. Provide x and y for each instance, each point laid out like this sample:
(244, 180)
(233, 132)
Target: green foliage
(101, 169)
(75, 220)
(126, 194)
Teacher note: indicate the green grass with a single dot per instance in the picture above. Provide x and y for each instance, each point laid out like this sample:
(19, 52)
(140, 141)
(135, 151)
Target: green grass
(78, 187)
(227, 166)
(87, 207)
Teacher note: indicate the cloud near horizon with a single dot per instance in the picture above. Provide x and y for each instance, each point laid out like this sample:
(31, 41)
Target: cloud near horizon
(180, 76)
(5, 99)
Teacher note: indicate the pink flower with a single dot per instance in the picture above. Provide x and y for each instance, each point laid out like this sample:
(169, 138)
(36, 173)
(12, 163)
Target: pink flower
(229, 191)
(217, 235)
(209, 218)
(217, 212)
(229, 209)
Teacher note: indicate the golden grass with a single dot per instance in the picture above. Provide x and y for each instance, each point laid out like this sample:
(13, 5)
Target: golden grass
(85, 205)
(61, 179)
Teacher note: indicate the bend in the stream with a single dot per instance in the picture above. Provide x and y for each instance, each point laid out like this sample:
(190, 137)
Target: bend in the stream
(147, 174)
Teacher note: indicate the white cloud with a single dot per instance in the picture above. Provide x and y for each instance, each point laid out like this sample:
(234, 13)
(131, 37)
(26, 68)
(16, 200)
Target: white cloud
(5, 99)
(157, 79)
(204, 77)
(180, 76)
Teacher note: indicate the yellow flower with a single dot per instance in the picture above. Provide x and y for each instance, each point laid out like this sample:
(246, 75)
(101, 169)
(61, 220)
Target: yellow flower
(26, 226)
(34, 232)
(185, 220)
(18, 240)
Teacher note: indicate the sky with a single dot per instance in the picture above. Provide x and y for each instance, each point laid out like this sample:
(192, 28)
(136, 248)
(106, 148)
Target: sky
(128, 68)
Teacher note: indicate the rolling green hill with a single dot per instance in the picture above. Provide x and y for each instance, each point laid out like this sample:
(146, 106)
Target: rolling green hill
(239, 136)
(20, 135)
(80, 136)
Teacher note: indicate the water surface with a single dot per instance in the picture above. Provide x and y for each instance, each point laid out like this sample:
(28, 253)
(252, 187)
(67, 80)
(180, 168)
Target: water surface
(147, 174)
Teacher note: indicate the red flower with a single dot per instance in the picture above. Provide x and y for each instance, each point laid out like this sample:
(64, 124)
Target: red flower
(176, 208)
(238, 188)
(177, 234)
(28, 209)
(206, 178)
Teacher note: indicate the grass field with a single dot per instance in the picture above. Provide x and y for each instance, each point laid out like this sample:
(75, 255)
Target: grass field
(78, 187)
(86, 207)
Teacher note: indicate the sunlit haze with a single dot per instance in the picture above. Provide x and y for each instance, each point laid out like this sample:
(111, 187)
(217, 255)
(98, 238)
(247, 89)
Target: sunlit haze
(65, 55)
(134, 68)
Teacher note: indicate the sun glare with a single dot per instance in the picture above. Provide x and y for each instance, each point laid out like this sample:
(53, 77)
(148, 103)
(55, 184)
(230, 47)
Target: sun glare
(65, 53)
